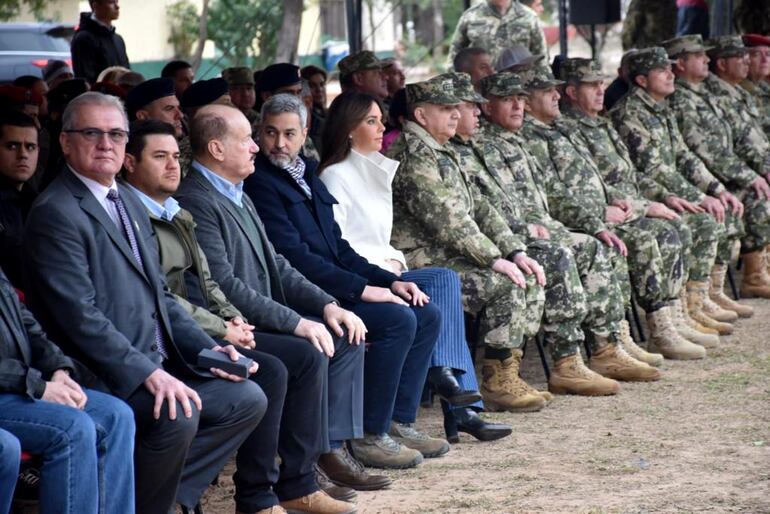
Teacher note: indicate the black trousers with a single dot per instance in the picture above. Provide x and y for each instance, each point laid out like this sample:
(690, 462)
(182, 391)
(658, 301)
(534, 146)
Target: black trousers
(178, 459)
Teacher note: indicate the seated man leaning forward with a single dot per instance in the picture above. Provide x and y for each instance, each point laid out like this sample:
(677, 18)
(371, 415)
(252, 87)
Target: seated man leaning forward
(402, 325)
(293, 376)
(94, 279)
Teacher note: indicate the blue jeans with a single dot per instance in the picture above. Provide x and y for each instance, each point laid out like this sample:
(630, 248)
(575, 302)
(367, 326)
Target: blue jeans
(84, 452)
(10, 455)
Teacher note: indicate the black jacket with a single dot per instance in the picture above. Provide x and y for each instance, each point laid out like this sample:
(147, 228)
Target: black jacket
(14, 205)
(95, 47)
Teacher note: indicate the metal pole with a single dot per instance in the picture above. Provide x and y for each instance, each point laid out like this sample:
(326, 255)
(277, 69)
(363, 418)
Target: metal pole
(563, 20)
(593, 41)
(354, 15)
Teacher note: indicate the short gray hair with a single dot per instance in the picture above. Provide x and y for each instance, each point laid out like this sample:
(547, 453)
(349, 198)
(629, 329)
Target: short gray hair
(284, 103)
(91, 98)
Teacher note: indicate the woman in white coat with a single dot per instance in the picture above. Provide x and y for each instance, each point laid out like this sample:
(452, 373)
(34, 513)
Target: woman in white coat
(360, 178)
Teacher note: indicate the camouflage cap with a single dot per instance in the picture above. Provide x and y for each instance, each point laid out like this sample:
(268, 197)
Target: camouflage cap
(688, 44)
(518, 58)
(438, 90)
(727, 46)
(502, 84)
(538, 78)
(463, 87)
(238, 76)
(647, 59)
(363, 60)
(579, 69)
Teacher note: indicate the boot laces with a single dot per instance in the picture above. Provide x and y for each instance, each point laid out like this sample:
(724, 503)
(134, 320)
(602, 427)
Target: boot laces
(407, 430)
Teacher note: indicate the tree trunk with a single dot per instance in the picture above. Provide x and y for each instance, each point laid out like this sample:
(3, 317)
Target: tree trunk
(203, 34)
(438, 30)
(288, 37)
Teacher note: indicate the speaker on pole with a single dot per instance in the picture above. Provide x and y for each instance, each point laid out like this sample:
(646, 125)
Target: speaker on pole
(594, 12)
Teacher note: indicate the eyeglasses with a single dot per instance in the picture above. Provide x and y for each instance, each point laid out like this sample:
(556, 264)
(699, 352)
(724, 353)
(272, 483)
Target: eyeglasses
(92, 135)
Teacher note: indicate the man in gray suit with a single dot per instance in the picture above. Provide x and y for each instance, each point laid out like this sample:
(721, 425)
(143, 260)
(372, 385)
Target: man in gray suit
(258, 281)
(94, 279)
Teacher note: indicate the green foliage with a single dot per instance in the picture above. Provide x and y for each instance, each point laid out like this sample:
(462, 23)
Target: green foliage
(245, 31)
(183, 26)
(11, 8)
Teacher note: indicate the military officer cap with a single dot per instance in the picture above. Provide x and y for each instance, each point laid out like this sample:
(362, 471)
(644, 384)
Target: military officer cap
(15, 95)
(363, 60)
(688, 44)
(204, 92)
(581, 70)
(463, 87)
(517, 57)
(438, 90)
(647, 59)
(147, 92)
(752, 40)
(278, 75)
(238, 76)
(726, 46)
(538, 78)
(502, 84)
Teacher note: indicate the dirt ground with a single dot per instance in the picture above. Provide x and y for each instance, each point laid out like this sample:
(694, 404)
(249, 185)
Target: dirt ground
(696, 441)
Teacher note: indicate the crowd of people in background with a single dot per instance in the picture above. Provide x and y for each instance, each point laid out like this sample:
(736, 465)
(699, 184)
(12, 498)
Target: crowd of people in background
(196, 270)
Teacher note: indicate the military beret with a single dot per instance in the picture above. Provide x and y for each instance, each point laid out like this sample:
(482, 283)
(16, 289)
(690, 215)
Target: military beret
(203, 92)
(363, 60)
(463, 87)
(579, 69)
(277, 76)
(688, 44)
(518, 57)
(752, 40)
(16, 95)
(502, 84)
(147, 92)
(434, 91)
(647, 59)
(65, 92)
(108, 88)
(726, 46)
(238, 76)
(538, 78)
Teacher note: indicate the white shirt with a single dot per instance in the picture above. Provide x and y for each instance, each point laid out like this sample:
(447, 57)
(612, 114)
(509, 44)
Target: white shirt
(362, 186)
(100, 193)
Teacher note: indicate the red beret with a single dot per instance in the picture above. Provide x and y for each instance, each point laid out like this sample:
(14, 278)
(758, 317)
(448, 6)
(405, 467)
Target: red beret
(20, 96)
(751, 40)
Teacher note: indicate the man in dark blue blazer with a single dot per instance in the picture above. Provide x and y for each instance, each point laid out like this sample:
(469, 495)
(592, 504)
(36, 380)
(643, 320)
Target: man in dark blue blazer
(94, 279)
(297, 211)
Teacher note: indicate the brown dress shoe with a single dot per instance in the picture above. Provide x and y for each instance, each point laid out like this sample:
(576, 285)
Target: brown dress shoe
(344, 470)
(341, 493)
(318, 503)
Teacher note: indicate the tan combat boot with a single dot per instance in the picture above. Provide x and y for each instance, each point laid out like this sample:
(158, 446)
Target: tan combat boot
(717, 293)
(503, 389)
(676, 314)
(686, 315)
(612, 361)
(571, 376)
(667, 340)
(634, 350)
(755, 284)
(696, 294)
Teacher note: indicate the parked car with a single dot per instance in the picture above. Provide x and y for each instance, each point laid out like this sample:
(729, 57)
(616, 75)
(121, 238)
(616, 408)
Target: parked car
(25, 48)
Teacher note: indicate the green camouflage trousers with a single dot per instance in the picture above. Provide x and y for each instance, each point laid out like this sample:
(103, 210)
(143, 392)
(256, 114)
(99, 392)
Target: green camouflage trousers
(734, 230)
(756, 220)
(704, 236)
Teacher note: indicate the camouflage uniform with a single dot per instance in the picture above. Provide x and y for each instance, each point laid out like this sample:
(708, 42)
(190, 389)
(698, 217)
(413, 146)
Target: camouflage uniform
(761, 93)
(656, 147)
(648, 22)
(185, 154)
(482, 26)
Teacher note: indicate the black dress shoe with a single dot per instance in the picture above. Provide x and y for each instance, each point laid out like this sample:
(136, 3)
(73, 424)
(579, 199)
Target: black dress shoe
(470, 422)
(444, 384)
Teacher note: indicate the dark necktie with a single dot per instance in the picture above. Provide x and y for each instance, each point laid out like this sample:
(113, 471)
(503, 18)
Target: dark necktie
(128, 230)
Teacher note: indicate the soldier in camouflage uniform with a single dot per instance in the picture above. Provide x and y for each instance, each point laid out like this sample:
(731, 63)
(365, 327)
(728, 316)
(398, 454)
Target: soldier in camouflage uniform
(563, 292)
(759, 70)
(648, 22)
(653, 254)
(707, 132)
(440, 221)
(240, 81)
(585, 88)
(498, 24)
(649, 129)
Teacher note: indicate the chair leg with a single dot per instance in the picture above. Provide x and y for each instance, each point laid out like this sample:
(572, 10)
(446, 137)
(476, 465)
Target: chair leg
(731, 281)
(539, 341)
(637, 320)
(450, 423)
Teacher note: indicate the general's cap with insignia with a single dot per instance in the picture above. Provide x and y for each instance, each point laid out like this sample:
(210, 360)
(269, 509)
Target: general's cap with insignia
(204, 92)
(579, 69)
(437, 90)
(147, 92)
(363, 60)
(647, 59)
(463, 87)
(276, 76)
(538, 78)
(517, 57)
(726, 46)
(752, 40)
(238, 76)
(688, 44)
(502, 84)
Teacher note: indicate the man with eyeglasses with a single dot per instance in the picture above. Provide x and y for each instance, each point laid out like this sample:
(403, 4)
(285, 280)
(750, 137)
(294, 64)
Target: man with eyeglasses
(95, 282)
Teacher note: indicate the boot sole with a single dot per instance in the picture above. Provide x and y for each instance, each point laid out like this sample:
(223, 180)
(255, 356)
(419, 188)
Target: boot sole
(485, 434)
(412, 464)
(496, 407)
(565, 391)
(356, 487)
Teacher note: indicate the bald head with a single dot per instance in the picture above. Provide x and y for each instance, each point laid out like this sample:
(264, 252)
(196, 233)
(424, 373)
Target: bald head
(220, 138)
